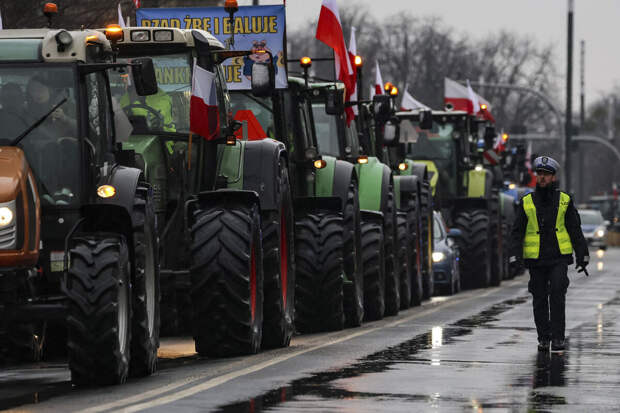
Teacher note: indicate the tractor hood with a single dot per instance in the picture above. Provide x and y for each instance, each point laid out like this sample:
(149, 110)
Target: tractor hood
(13, 169)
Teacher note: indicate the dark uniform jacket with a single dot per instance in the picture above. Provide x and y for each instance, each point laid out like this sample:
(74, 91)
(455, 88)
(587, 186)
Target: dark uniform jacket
(547, 203)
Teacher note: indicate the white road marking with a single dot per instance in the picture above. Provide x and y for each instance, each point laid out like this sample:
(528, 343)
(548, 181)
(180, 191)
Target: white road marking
(129, 402)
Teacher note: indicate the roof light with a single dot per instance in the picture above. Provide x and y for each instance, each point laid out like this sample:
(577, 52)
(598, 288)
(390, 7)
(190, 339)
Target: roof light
(394, 91)
(504, 137)
(483, 107)
(231, 140)
(305, 62)
(140, 35)
(403, 166)
(231, 6)
(50, 9)
(106, 191)
(113, 32)
(388, 86)
(163, 35)
(362, 159)
(320, 164)
(92, 38)
(358, 61)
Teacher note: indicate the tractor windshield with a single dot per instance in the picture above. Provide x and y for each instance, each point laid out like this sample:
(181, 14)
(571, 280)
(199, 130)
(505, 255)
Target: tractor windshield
(437, 145)
(49, 137)
(168, 109)
(257, 112)
(326, 128)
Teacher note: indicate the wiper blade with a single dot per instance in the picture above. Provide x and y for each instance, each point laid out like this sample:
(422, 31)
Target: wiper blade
(37, 123)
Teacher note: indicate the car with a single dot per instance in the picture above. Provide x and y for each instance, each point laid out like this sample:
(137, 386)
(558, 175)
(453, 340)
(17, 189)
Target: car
(594, 227)
(445, 257)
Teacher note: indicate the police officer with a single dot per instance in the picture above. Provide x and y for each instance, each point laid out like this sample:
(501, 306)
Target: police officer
(545, 232)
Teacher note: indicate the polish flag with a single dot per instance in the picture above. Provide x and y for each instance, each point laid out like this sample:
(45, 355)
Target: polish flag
(121, 22)
(136, 3)
(461, 97)
(411, 103)
(204, 118)
(378, 80)
(352, 110)
(329, 31)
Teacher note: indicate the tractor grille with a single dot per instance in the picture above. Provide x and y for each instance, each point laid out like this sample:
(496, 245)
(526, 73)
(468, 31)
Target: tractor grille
(7, 237)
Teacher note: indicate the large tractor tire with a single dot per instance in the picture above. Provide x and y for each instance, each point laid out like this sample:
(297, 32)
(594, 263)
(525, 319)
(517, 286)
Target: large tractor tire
(392, 273)
(373, 264)
(319, 302)
(227, 280)
(352, 241)
(405, 262)
(145, 286)
(279, 268)
(475, 248)
(99, 317)
(426, 210)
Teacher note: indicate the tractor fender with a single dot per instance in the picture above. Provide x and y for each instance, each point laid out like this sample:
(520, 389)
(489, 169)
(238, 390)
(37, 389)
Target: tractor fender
(324, 177)
(372, 216)
(407, 186)
(420, 170)
(125, 181)
(261, 167)
(343, 174)
(206, 199)
(374, 180)
(461, 204)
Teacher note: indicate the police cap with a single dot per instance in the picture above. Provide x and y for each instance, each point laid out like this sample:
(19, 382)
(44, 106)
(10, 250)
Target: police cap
(545, 163)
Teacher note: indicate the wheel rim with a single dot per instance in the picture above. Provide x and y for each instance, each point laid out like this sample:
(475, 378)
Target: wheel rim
(283, 258)
(149, 279)
(253, 283)
(123, 313)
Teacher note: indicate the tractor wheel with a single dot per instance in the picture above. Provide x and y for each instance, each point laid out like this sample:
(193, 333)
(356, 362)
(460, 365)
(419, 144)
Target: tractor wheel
(145, 286)
(99, 317)
(227, 280)
(279, 268)
(405, 261)
(427, 241)
(352, 241)
(474, 248)
(415, 251)
(392, 273)
(319, 301)
(373, 264)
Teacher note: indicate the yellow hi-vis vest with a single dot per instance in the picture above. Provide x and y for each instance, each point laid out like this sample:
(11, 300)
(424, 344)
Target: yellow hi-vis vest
(531, 243)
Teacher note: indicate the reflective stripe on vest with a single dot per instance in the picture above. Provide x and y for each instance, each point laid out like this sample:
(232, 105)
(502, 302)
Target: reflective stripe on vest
(531, 242)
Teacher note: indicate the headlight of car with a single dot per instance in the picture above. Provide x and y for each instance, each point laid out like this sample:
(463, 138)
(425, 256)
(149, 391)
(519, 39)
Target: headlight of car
(6, 216)
(438, 256)
(599, 233)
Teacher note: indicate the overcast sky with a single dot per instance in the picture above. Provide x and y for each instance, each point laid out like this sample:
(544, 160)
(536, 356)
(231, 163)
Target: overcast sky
(596, 22)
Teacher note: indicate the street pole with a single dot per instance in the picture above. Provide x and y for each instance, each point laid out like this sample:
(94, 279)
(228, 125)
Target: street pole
(569, 98)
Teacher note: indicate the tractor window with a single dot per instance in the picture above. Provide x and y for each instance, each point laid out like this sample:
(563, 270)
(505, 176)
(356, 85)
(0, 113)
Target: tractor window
(168, 109)
(262, 111)
(326, 128)
(31, 95)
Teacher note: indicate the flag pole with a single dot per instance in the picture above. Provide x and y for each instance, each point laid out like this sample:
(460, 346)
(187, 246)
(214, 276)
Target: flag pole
(189, 152)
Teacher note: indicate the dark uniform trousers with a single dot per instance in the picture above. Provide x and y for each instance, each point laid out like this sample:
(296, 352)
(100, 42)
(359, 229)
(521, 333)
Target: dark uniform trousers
(548, 285)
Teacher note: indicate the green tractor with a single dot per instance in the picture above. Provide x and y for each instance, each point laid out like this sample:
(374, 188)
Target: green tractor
(379, 235)
(464, 190)
(329, 289)
(79, 270)
(224, 204)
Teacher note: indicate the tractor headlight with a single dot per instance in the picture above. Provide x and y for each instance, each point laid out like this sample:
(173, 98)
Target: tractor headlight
(6, 216)
(438, 256)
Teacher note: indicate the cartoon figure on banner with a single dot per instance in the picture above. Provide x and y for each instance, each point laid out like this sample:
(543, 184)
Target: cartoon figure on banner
(260, 55)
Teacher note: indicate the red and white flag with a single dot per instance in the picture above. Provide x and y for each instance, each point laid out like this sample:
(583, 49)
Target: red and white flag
(204, 116)
(411, 103)
(121, 22)
(378, 80)
(352, 110)
(473, 98)
(491, 156)
(459, 96)
(137, 3)
(329, 31)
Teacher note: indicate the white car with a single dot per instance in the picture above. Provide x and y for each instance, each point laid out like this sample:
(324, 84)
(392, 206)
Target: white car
(594, 227)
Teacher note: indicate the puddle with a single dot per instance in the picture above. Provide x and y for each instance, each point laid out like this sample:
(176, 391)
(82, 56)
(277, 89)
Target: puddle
(319, 385)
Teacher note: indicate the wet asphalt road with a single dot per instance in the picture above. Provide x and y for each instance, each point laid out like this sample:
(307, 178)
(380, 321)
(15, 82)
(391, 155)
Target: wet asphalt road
(476, 350)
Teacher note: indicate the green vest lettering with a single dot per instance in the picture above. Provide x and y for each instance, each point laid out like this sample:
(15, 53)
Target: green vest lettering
(531, 242)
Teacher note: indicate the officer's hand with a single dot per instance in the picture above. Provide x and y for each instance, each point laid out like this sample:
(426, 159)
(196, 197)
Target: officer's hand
(582, 264)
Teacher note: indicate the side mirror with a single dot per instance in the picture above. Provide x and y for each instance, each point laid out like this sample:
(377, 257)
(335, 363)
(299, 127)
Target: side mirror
(455, 233)
(426, 119)
(382, 105)
(391, 133)
(263, 79)
(144, 76)
(334, 101)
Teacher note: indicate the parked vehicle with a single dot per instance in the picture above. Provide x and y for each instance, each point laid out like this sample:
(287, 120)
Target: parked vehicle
(446, 275)
(594, 227)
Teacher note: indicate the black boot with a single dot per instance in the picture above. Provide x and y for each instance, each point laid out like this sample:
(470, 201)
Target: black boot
(557, 345)
(543, 345)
